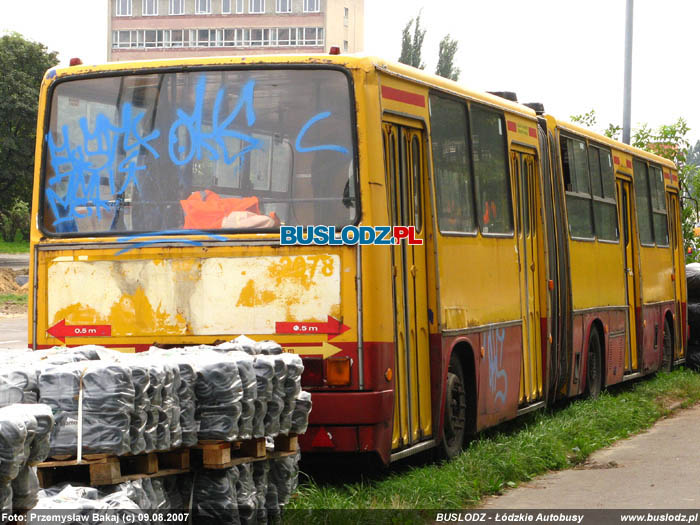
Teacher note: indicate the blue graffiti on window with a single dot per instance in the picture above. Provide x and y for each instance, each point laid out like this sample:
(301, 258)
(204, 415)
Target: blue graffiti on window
(80, 169)
(322, 147)
(214, 143)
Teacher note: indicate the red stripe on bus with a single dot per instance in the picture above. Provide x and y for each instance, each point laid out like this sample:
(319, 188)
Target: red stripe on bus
(617, 160)
(399, 95)
(512, 126)
(533, 133)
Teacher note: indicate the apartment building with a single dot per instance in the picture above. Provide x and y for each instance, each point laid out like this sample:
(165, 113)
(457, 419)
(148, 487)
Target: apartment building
(148, 29)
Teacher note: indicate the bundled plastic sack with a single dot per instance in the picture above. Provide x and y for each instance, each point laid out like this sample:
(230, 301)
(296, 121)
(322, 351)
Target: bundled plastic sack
(20, 412)
(300, 415)
(246, 344)
(214, 497)
(40, 444)
(25, 489)
(692, 276)
(264, 369)
(171, 403)
(268, 348)
(6, 497)
(24, 377)
(246, 496)
(157, 429)
(291, 386)
(10, 393)
(142, 403)
(261, 470)
(275, 403)
(246, 371)
(219, 392)
(13, 436)
(161, 499)
(103, 433)
(185, 394)
(284, 474)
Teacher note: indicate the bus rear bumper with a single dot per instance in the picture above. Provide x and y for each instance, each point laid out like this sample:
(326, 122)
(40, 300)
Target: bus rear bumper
(350, 422)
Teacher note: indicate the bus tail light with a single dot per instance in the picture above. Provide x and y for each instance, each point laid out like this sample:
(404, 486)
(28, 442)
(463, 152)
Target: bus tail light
(338, 371)
(313, 371)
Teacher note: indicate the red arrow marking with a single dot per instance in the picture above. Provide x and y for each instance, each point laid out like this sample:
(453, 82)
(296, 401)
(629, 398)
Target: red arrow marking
(332, 326)
(61, 330)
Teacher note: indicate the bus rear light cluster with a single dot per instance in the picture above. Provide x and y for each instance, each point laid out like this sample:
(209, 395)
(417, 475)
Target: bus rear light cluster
(334, 372)
(313, 371)
(338, 371)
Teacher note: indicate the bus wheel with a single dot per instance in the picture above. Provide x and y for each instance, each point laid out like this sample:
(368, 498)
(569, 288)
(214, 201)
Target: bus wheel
(455, 411)
(594, 368)
(667, 356)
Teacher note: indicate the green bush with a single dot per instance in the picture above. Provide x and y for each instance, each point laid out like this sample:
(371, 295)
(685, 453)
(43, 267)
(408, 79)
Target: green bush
(15, 221)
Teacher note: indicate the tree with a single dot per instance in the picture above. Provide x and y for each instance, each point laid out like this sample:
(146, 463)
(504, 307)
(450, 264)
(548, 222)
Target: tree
(671, 142)
(412, 44)
(445, 67)
(23, 64)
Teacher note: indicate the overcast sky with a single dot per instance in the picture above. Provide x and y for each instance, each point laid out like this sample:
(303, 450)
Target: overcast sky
(568, 55)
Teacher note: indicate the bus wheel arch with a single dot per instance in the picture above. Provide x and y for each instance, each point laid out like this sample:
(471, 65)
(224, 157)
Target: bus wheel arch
(459, 407)
(595, 360)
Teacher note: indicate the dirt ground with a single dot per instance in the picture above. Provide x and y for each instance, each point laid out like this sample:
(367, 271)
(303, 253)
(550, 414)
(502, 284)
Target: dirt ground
(8, 285)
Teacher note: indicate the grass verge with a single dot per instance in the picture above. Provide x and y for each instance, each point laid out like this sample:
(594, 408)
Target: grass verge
(514, 452)
(14, 247)
(13, 298)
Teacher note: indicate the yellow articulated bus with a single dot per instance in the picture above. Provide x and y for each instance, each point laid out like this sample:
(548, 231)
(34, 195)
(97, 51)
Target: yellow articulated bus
(543, 261)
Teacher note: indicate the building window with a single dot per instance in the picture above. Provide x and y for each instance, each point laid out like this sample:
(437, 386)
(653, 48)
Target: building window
(225, 7)
(179, 38)
(177, 7)
(312, 6)
(123, 8)
(149, 7)
(256, 6)
(310, 36)
(239, 6)
(346, 18)
(345, 46)
(202, 7)
(284, 6)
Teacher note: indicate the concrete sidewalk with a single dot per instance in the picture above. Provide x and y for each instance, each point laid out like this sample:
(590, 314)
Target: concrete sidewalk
(659, 469)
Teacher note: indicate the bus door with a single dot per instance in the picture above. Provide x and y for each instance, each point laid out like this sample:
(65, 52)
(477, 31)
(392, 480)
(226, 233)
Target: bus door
(406, 183)
(624, 192)
(676, 239)
(527, 225)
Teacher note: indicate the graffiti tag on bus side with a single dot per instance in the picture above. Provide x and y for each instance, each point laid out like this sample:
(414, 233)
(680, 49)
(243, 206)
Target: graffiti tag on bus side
(75, 191)
(494, 350)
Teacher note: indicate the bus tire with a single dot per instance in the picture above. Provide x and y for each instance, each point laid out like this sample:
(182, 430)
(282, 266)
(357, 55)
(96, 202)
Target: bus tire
(455, 411)
(667, 348)
(594, 366)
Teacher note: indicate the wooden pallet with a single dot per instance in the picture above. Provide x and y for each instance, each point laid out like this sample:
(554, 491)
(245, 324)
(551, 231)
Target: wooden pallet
(100, 469)
(225, 454)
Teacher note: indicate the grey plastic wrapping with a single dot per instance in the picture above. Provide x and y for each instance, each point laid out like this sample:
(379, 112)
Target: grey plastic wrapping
(9, 392)
(261, 470)
(21, 412)
(214, 497)
(186, 396)
(219, 392)
(157, 429)
(161, 500)
(264, 369)
(268, 348)
(107, 403)
(171, 403)
(13, 436)
(275, 403)
(245, 495)
(246, 371)
(300, 416)
(41, 444)
(246, 344)
(6, 497)
(142, 403)
(25, 489)
(284, 474)
(23, 376)
(135, 492)
(291, 387)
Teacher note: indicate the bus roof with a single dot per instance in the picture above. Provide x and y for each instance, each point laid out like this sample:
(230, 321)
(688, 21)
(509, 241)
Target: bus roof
(354, 61)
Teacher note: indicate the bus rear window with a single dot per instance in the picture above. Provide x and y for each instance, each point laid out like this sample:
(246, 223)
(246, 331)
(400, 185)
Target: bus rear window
(223, 150)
